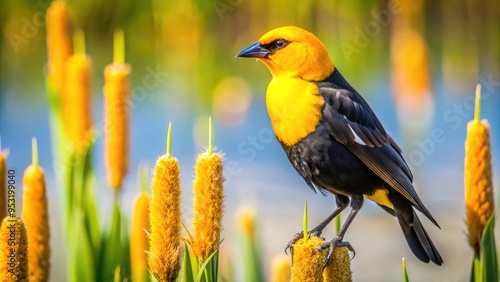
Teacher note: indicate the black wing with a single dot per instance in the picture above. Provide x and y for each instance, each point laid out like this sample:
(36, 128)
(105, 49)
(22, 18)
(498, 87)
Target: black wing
(351, 121)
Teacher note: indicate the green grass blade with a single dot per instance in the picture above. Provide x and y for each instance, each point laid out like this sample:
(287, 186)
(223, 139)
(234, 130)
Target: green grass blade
(489, 259)
(88, 200)
(117, 275)
(125, 263)
(187, 271)
(475, 273)
(203, 272)
(252, 257)
(82, 265)
(112, 246)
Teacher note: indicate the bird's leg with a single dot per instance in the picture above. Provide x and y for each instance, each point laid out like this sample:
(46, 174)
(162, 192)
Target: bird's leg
(356, 204)
(342, 202)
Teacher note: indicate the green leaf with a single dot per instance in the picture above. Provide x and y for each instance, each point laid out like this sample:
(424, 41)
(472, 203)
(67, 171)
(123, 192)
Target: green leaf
(125, 262)
(155, 277)
(206, 268)
(118, 275)
(187, 267)
(475, 273)
(190, 237)
(252, 257)
(112, 245)
(81, 266)
(488, 256)
(88, 200)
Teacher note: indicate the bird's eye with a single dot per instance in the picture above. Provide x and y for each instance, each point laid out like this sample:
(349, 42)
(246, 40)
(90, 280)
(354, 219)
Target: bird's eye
(280, 43)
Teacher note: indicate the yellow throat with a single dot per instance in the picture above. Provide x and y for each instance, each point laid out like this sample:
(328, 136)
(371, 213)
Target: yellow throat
(294, 106)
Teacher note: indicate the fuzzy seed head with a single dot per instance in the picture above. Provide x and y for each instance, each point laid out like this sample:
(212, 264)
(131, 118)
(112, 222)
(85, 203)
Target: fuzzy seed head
(307, 263)
(59, 41)
(3, 185)
(13, 230)
(479, 199)
(165, 219)
(139, 238)
(208, 205)
(338, 268)
(77, 103)
(280, 269)
(36, 218)
(116, 111)
(246, 219)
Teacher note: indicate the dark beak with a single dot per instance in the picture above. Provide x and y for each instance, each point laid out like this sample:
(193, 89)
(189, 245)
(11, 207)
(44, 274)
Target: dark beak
(254, 51)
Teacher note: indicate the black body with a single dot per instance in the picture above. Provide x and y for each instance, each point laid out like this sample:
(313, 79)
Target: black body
(351, 155)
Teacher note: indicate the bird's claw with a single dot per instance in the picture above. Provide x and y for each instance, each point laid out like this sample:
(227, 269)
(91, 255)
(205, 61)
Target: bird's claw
(315, 232)
(335, 242)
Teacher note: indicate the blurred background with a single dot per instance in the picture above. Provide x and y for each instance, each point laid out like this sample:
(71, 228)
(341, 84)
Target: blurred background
(416, 62)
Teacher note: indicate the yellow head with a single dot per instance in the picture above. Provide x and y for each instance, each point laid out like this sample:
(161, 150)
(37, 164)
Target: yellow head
(291, 52)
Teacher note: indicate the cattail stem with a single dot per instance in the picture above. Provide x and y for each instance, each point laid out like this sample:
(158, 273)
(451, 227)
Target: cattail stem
(13, 243)
(477, 110)
(118, 47)
(210, 147)
(79, 42)
(165, 220)
(34, 153)
(405, 272)
(304, 223)
(36, 218)
(169, 139)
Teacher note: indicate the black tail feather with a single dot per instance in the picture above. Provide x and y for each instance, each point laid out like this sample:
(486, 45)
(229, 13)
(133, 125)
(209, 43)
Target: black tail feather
(419, 241)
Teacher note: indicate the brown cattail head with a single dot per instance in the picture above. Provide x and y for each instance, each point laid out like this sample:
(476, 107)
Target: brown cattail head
(165, 219)
(479, 198)
(208, 205)
(280, 269)
(116, 111)
(3, 183)
(59, 42)
(77, 104)
(13, 250)
(139, 238)
(36, 218)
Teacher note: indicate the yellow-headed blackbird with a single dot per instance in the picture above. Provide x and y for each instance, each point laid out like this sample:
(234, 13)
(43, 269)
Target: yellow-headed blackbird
(334, 139)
